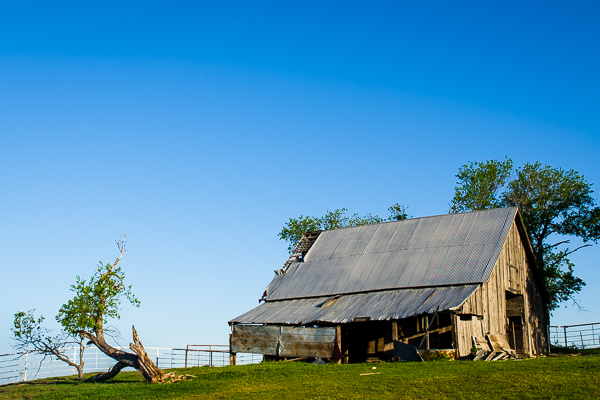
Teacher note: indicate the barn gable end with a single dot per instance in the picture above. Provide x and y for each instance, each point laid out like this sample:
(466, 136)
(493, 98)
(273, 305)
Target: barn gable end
(510, 302)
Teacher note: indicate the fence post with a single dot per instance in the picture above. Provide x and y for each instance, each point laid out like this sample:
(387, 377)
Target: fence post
(548, 344)
(25, 371)
(565, 329)
(186, 353)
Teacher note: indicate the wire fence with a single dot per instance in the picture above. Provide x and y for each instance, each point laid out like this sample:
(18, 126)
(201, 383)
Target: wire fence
(26, 366)
(582, 336)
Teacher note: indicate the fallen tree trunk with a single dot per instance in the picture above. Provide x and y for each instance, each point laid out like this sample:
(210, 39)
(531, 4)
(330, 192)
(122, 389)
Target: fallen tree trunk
(139, 360)
(150, 371)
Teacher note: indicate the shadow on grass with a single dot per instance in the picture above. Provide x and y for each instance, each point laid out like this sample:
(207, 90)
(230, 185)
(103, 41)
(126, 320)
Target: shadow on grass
(74, 381)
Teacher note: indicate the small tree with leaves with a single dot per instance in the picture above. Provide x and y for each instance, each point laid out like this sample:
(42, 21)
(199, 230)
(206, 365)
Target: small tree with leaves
(85, 317)
(87, 314)
(31, 336)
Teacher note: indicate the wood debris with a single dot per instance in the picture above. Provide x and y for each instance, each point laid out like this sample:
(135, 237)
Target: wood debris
(493, 348)
(172, 377)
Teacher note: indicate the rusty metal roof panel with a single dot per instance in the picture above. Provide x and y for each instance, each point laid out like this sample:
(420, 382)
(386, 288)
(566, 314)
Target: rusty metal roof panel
(384, 305)
(442, 250)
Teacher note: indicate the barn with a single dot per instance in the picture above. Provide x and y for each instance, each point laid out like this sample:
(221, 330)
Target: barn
(440, 282)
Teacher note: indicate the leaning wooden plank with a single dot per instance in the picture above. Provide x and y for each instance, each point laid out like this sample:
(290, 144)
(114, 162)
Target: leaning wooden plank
(500, 341)
(480, 355)
(490, 356)
(499, 356)
(509, 352)
(481, 344)
(491, 343)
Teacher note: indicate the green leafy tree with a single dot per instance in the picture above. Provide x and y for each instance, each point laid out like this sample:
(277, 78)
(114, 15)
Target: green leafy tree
(556, 205)
(480, 185)
(398, 212)
(86, 317)
(295, 228)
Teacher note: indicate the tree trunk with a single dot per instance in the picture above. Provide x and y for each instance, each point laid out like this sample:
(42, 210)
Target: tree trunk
(150, 371)
(111, 373)
(139, 360)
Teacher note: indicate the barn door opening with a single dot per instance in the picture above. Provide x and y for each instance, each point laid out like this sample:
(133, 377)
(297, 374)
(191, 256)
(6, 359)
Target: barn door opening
(366, 341)
(515, 307)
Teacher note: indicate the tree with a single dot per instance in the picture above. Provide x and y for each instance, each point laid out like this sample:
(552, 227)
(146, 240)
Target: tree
(555, 204)
(481, 185)
(85, 317)
(296, 227)
(30, 335)
(94, 302)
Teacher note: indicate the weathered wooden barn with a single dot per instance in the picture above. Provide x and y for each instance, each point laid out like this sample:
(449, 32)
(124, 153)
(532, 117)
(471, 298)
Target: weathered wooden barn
(441, 282)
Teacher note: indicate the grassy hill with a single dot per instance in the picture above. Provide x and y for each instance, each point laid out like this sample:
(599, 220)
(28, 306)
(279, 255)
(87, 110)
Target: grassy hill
(548, 378)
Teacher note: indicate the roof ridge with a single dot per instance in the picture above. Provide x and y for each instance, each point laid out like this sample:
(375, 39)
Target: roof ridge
(424, 217)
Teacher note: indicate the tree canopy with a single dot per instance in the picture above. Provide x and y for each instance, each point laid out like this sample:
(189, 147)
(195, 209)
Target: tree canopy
(556, 206)
(296, 227)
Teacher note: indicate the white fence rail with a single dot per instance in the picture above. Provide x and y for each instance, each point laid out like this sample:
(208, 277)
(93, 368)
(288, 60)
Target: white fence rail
(582, 336)
(25, 366)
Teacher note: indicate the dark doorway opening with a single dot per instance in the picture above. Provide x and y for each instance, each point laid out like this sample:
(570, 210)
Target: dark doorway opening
(515, 311)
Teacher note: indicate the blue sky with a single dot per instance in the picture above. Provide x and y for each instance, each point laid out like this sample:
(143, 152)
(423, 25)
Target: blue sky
(202, 127)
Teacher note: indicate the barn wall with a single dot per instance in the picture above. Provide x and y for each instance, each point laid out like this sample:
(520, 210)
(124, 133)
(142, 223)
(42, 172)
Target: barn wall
(466, 329)
(513, 274)
(283, 341)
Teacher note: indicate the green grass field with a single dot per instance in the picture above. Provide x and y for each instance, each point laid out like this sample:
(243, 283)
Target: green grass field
(543, 378)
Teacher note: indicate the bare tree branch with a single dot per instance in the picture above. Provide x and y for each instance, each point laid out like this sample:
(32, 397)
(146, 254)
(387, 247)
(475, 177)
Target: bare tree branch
(548, 247)
(567, 252)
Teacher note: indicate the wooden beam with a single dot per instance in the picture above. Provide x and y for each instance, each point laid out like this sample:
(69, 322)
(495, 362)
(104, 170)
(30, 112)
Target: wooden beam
(394, 330)
(338, 338)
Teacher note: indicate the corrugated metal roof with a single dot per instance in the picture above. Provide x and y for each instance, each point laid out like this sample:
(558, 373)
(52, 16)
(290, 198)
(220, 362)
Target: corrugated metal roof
(386, 305)
(449, 249)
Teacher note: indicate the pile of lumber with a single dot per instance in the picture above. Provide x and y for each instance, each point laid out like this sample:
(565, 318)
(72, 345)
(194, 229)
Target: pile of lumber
(492, 348)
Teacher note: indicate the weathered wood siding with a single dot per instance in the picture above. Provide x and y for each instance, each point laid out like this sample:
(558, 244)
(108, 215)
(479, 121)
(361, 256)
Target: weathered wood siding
(512, 273)
(283, 341)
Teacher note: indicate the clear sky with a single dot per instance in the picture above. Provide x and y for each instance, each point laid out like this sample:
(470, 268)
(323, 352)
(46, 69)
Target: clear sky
(201, 127)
